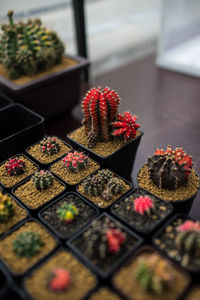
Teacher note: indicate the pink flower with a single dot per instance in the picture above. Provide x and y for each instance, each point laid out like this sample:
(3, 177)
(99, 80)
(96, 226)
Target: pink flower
(143, 204)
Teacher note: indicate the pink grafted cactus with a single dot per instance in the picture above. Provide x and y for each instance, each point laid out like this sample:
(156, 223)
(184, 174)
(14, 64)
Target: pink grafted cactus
(114, 239)
(189, 226)
(75, 161)
(143, 204)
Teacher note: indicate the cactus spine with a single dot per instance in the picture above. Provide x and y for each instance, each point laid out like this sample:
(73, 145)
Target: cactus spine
(42, 180)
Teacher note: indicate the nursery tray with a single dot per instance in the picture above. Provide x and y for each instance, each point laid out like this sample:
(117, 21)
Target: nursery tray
(4, 101)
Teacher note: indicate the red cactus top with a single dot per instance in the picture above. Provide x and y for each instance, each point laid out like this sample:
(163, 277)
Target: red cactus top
(143, 204)
(189, 226)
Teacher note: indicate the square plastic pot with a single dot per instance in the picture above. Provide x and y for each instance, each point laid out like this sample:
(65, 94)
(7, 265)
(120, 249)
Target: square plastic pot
(49, 95)
(20, 127)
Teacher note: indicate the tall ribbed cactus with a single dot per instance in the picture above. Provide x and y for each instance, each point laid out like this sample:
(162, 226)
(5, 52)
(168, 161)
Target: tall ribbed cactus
(100, 108)
(28, 47)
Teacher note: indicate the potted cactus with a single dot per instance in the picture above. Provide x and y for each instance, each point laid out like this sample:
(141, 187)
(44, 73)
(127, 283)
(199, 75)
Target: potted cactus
(61, 277)
(34, 69)
(39, 189)
(107, 135)
(180, 240)
(148, 276)
(170, 176)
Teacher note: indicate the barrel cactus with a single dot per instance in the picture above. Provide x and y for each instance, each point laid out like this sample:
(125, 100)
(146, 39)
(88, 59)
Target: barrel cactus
(15, 166)
(27, 48)
(6, 208)
(115, 186)
(170, 169)
(75, 161)
(49, 145)
(93, 186)
(105, 175)
(42, 180)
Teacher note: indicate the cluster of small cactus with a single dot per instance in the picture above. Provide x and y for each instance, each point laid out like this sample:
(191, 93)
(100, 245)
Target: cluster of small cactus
(143, 204)
(49, 145)
(67, 212)
(6, 208)
(103, 184)
(104, 238)
(28, 48)
(42, 180)
(126, 126)
(15, 166)
(100, 108)
(27, 244)
(188, 238)
(59, 280)
(170, 169)
(153, 274)
(75, 161)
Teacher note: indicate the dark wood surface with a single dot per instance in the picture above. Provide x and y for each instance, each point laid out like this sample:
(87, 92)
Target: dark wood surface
(167, 105)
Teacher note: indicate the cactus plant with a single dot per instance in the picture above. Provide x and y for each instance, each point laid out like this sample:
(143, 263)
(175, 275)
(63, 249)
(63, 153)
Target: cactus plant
(126, 126)
(75, 161)
(28, 48)
(93, 186)
(105, 175)
(49, 145)
(170, 169)
(143, 204)
(6, 208)
(67, 212)
(107, 195)
(42, 180)
(115, 186)
(153, 274)
(59, 280)
(27, 244)
(15, 166)
(100, 108)
(104, 238)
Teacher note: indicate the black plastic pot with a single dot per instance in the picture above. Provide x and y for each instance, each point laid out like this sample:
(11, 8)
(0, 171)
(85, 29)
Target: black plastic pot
(20, 127)
(121, 161)
(5, 282)
(145, 231)
(58, 233)
(108, 207)
(45, 165)
(105, 274)
(49, 95)
(4, 101)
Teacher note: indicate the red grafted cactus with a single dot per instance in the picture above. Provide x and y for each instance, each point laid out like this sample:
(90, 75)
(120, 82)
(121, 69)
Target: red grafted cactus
(15, 166)
(143, 204)
(59, 280)
(50, 145)
(189, 226)
(126, 126)
(100, 108)
(115, 239)
(75, 161)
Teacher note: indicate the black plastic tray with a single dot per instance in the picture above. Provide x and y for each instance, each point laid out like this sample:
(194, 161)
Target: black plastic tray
(4, 101)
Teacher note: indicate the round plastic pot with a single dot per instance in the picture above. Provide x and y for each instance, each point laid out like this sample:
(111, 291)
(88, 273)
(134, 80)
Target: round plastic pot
(146, 234)
(56, 232)
(121, 259)
(121, 161)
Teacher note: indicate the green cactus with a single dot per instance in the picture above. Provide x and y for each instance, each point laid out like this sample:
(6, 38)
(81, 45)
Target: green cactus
(42, 180)
(189, 242)
(27, 244)
(67, 212)
(6, 208)
(105, 175)
(107, 195)
(93, 186)
(49, 145)
(28, 47)
(115, 186)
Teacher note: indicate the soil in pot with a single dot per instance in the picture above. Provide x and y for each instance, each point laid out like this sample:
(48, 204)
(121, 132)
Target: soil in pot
(178, 240)
(74, 177)
(149, 276)
(40, 284)
(18, 214)
(33, 197)
(51, 216)
(178, 194)
(104, 243)
(102, 148)
(10, 180)
(102, 190)
(104, 294)
(194, 294)
(19, 264)
(142, 210)
(45, 158)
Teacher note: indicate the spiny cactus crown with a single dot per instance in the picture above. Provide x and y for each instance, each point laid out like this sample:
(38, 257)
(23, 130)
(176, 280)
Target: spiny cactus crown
(67, 212)
(93, 186)
(42, 180)
(153, 274)
(105, 175)
(143, 204)
(126, 126)
(75, 161)
(170, 169)
(6, 208)
(115, 186)
(59, 280)
(15, 166)
(28, 48)
(49, 145)
(27, 244)
(104, 238)
(100, 108)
